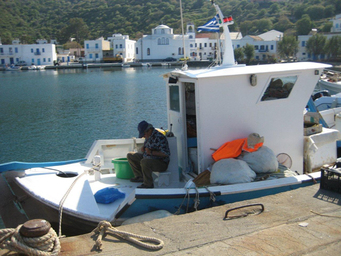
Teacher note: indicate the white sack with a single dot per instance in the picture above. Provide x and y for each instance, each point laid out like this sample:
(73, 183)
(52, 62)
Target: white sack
(231, 171)
(261, 161)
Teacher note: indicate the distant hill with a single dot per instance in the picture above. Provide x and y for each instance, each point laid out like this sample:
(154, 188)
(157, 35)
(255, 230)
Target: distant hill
(29, 20)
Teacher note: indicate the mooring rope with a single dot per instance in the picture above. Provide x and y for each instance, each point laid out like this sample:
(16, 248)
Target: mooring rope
(62, 201)
(212, 195)
(11, 239)
(105, 227)
(197, 199)
(183, 200)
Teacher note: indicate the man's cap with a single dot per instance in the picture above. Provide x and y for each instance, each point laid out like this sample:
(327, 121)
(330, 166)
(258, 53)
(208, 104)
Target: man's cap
(143, 127)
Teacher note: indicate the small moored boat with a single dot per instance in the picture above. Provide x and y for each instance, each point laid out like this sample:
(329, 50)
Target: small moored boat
(331, 81)
(206, 108)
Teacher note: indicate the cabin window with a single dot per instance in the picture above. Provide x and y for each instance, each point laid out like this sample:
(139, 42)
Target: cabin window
(174, 98)
(279, 88)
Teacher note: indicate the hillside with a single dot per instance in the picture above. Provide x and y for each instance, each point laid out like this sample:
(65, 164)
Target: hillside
(34, 19)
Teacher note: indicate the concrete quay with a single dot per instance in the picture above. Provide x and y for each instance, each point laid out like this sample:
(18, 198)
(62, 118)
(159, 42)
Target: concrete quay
(305, 221)
(76, 65)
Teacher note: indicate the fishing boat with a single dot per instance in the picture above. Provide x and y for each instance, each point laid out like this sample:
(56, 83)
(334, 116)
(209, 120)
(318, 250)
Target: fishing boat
(205, 108)
(35, 67)
(148, 65)
(13, 68)
(330, 80)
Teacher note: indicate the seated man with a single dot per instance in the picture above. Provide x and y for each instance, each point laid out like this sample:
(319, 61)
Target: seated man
(154, 157)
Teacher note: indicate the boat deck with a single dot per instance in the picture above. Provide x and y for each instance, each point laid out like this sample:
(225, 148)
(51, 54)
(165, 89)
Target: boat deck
(289, 225)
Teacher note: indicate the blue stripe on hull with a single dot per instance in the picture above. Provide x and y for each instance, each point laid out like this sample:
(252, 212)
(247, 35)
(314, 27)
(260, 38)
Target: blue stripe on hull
(145, 205)
(24, 165)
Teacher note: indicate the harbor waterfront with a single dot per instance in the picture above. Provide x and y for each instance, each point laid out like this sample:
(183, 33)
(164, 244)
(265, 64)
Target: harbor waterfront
(54, 115)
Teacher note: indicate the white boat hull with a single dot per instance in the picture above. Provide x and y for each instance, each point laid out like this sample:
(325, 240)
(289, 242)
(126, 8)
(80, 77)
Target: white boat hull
(332, 87)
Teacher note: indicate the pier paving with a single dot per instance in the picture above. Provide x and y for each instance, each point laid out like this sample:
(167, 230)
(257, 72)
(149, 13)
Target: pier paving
(305, 221)
(286, 227)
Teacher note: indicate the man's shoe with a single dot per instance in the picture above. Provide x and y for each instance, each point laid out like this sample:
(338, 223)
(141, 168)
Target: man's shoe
(136, 179)
(145, 186)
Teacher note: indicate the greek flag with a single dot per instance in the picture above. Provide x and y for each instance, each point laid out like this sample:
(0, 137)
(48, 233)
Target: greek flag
(210, 26)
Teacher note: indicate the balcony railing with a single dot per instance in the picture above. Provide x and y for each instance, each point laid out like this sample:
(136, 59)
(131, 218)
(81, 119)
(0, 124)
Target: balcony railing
(37, 53)
(6, 53)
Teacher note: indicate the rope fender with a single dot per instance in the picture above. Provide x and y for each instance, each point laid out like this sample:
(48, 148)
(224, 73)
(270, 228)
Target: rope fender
(105, 227)
(11, 239)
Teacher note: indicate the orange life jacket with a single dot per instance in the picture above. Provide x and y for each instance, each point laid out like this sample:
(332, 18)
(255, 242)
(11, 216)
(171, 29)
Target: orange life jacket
(234, 148)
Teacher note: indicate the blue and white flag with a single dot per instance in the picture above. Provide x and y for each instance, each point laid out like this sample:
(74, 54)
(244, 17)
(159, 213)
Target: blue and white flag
(210, 26)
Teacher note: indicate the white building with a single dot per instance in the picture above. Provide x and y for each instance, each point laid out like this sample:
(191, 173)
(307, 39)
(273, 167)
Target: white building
(265, 44)
(93, 49)
(36, 54)
(204, 47)
(302, 54)
(336, 24)
(122, 46)
(161, 44)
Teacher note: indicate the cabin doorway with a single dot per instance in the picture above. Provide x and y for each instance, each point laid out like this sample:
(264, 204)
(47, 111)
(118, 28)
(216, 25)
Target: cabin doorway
(182, 120)
(191, 128)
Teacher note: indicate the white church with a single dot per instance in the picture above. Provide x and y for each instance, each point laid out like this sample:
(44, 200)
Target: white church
(163, 43)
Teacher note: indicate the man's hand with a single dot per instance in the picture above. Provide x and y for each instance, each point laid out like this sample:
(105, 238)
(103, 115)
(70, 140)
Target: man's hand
(148, 151)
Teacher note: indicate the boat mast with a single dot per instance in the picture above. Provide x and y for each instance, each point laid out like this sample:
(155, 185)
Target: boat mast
(228, 59)
(182, 31)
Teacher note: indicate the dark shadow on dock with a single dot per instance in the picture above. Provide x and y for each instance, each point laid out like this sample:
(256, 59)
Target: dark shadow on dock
(328, 196)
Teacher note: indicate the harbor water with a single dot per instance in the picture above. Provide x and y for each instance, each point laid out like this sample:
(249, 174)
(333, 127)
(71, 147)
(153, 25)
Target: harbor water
(55, 115)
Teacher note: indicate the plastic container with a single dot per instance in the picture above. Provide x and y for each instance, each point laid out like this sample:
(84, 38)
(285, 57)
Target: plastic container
(122, 168)
(331, 179)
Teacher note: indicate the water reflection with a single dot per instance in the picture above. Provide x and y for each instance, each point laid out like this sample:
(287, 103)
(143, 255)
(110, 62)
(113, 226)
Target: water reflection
(56, 115)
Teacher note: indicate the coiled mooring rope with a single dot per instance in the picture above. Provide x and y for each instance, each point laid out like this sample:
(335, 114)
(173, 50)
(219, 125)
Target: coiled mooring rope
(105, 227)
(11, 239)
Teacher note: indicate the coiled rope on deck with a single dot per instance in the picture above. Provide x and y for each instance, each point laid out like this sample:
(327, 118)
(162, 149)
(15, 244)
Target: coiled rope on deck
(105, 227)
(11, 239)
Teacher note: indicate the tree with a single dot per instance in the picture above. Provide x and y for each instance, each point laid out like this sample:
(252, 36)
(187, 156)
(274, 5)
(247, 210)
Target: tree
(304, 25)
(327, 26)
(77, 29)
(245, 27)
(249, 51)
(274, 8)
(288, 47)
(239, 54)
(329, 11)
(333, 46)
(264, 25)
(315, 45)
(283, 23)
(315, 11)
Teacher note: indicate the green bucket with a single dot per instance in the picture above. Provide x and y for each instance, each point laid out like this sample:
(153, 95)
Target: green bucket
(122, 168)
